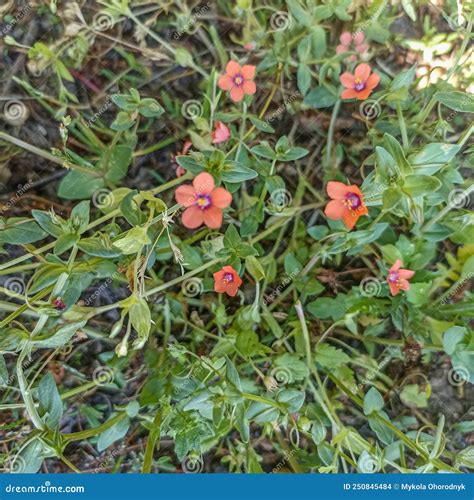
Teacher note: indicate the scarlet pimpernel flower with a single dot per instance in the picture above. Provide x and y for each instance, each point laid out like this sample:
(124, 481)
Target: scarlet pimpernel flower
(238, 80)
(397, 278)
(357, 40)
(203, 201)
(346, 203)
(227, 281)
(360, 84)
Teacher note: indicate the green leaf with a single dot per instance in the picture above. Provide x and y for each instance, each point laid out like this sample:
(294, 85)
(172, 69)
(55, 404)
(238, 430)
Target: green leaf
(294, 399)
(452, 337)
(391, 198)
(320, 97)
(459, 101)
(133, 240)
(119, 160)
(150, 108)
(413, 396)
(59, 338)
(409, 9)
(79, 185)
(373, 401)
(65, 242)
(233, 375)
(97, 248)
(292, 365)
(254, 267)
(403, 79)
(433, 156)
(396, 151)
(318, 40)
(301, 15)
(140, 318)
(261, 125)
(113, 434)
(330, 357)
(232, 237)
(263, 149)
(292, 154)
(130, 209)
(387, 167)
(45, 220)
(326, 307)
(19, 231)
(50, 404)
(238, 173)
(123, 121)
(3, 371)
(421, 185)
(303, 77)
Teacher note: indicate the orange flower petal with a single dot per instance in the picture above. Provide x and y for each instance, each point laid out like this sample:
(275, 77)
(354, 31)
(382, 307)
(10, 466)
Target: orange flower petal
(225, 82)
(233, 68)
(347, 79)
(249, 87)
(362, 72)
(192, 217)
(396, 266)
(336, 190)
(248, 71)
(186, 195)
(232, 289)
(237, 94)
(350, 218)
(363, 94)
(203, 183)
(334, 210)
(394, 290)
(212, 217)
(372, 81)
(406, 274)
(404, 285)
(349, 94)
(221, 198)
(219, 285)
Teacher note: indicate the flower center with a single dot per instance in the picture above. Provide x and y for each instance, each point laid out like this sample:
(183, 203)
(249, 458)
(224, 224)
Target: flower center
(393, 277)
(228, 278)
(203, 201)
(238, 80)
(359, 85)
(353, 201)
